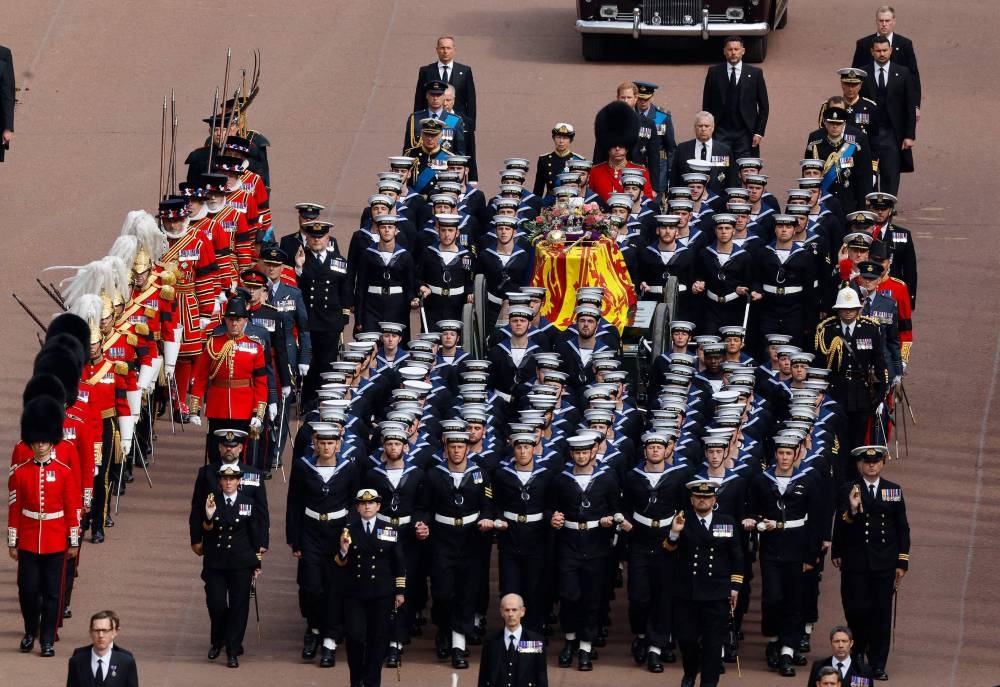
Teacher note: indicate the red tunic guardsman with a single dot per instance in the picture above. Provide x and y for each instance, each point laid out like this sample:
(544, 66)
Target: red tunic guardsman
(252, 183)
(191, 257)
(233, 371)
(42, 523)
(210, 225)
(244, 203)
(616, 130)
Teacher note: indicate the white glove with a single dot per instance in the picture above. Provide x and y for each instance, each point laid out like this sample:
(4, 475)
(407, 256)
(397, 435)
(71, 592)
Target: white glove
(881, 407)
(168, 370)
(272, 411)
(196, 420)
(303, 370)
(147, 377)
(286, 391)
(256, 424)
(897, 379)
(205, 322)
(126, 448)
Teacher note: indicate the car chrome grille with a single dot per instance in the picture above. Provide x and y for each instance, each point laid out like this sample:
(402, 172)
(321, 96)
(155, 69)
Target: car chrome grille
(672, 12)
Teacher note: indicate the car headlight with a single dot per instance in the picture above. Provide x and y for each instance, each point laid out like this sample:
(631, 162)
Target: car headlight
(609, 11)
(734, 13)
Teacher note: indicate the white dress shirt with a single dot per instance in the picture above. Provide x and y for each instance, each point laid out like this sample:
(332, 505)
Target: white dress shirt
(738, 67)
(440, 67)
(507, 632)
(105, 659)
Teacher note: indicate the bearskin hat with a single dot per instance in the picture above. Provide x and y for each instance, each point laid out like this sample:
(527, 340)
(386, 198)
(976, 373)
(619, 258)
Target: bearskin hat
(42, 420)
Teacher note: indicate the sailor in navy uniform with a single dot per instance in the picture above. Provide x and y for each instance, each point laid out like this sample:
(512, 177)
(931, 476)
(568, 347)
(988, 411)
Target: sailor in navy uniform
(445, 272)
(651, 496)
(386, 287)
(785, 507)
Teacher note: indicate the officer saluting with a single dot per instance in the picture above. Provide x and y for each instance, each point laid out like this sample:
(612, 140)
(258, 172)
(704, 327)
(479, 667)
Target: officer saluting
(375, 580)
(233, 543)
(871, 546)
(708, 579)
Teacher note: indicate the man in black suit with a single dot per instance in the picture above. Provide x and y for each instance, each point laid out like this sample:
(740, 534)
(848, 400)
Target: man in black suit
(513, 656)
(902, 48)
(891, 87)
(102, 663)
(737, 95)
(459, 76)
(705, 147)
(841, 640)
(6, 98)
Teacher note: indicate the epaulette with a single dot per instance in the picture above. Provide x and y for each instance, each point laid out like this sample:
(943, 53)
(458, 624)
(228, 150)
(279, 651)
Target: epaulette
(167, 293)
(132, 339)
(121, 368)
(142, 329)
(268, 305)
(870, 320)
(897, 280)
(167, 277)
(870, 100)
(149, 312)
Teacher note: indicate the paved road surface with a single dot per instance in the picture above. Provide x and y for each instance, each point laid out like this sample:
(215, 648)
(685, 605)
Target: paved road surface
(337, 82)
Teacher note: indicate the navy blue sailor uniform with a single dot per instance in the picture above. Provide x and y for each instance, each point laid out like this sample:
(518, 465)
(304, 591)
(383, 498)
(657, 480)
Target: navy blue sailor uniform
(583, 547)
(795, 505)
(315, 514)
(649, 502)
(785, 280)
(502, 273)
(722, 274)
(449, 276)
(384, 289)
(453, 508)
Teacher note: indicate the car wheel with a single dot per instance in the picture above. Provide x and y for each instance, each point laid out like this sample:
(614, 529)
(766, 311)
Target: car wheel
(756, 49)
(594, 47)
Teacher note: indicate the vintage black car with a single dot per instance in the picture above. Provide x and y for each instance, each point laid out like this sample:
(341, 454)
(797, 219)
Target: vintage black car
(600, 21)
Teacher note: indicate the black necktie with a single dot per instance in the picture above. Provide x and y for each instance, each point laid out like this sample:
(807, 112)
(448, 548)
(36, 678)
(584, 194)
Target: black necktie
(881, 79)
(99, 675)
(444, 73)
(732, 77)
(704, 151)
(871, 490)
(704, 524)
(229, 502)
(840, 669)
(510, 645)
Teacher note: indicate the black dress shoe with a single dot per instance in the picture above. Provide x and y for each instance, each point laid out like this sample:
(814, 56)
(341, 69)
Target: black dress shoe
(97, 537)
(232, 661)
(240, 652)
(653, 662)
(566, 655)
(67, 613)
(729, 652)
(458, 660)
(108, 522)
(327, 658)
(213, 652)
(309, 644)
(27, 643)
(393, 658)
(442, 646)
(880, 674)
(771, 653)
(668, 656)
(804, 646)
(267, 475)
(687, 682)
(638, 650)
(48, 650)
(583, 661)
(799, 660)
(785, 667)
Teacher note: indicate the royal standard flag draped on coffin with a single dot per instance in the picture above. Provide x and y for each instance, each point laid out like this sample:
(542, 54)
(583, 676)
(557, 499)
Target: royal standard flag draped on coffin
(562, 268)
